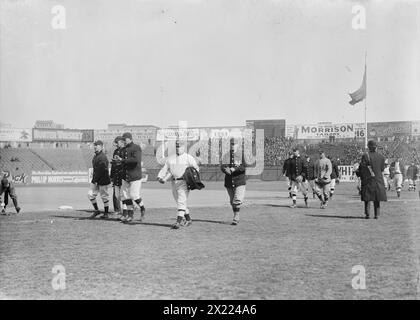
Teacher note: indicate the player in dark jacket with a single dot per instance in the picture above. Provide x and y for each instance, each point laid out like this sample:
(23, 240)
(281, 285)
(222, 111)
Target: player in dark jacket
(287, 174)
(234, 167)
(100, 180)
(297, 172)
(131, 183)
(335, 176)
(117, 172)
(310, 175)
(412, 172)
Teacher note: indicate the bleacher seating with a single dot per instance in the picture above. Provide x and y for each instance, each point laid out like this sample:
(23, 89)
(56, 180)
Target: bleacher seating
(21, 160)
(62, 159)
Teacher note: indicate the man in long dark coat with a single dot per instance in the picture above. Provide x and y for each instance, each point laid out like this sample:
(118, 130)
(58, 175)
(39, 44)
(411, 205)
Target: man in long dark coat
(373, 189)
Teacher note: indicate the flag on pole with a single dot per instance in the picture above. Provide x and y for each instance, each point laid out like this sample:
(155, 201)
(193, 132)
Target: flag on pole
(360, 93)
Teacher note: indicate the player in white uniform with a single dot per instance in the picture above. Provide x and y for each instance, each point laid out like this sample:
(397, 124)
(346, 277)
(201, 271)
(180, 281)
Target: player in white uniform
(174, 169)
(387, 180)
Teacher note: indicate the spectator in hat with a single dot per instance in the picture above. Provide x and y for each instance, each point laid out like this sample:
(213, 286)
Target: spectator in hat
(371, 170)
(100, 180)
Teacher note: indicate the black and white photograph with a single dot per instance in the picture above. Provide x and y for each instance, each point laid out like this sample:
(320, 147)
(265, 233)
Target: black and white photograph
(231, 151)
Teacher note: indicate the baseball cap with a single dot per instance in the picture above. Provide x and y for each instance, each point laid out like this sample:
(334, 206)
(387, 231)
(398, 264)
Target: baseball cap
(372, 143)
(118, 138)
(98, 142)
(127, 135)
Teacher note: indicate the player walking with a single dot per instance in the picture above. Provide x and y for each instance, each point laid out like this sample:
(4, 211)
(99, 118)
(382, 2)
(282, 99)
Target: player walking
(297, 177)
(117, 172)
(323, 169)
(100, 180)
(7, 187)
(335, 176)
(310, 175)
(286, 173)
(387, 180)
(233, 166)
(174, 169)
(397, 174)
(412, 172)
(131, 182)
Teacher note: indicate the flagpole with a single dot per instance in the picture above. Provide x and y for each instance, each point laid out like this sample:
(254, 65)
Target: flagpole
(366, 129)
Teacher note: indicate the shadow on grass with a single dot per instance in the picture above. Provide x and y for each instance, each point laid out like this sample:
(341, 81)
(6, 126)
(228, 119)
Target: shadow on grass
(284, 206)
(132, 223)
(87, 218)
(211, 221)
(333, 216)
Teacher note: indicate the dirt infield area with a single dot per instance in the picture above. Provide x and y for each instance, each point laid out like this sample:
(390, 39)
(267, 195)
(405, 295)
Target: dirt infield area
(274, 253)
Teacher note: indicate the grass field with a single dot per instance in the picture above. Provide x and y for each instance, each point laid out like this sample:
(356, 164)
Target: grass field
(274, 253)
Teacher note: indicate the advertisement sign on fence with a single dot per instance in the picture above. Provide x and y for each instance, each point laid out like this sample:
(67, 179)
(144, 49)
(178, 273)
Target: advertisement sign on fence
(41, 177)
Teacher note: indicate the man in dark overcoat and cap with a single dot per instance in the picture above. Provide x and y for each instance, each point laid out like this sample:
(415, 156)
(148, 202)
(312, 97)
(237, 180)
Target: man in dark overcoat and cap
(371, 170)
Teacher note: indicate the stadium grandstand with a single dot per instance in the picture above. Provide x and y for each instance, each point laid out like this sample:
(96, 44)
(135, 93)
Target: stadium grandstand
(49, 147)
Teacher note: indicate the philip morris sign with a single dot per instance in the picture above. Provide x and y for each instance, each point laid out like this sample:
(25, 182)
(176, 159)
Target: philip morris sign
(41, 177)
(324, 131)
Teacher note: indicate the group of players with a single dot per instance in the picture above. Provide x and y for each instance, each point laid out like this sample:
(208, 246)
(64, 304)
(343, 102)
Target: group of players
(126, 179)
(304, 173)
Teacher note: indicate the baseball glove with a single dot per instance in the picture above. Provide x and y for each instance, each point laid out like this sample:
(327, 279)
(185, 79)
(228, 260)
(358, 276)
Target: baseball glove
(299, 179)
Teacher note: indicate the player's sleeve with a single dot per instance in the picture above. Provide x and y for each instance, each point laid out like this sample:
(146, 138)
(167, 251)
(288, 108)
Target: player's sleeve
(164, 173)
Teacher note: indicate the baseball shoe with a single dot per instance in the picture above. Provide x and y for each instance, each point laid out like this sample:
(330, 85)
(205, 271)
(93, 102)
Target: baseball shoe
(322, 206)
(234, 223)
(3, 211)
(187, 220)
(176, 225)
(142, 213)
(293, 206)
(375, 217)
(17, 209)
(105, 216)
(367, 217)
(306, 201)
(95, 213)
(398, 194)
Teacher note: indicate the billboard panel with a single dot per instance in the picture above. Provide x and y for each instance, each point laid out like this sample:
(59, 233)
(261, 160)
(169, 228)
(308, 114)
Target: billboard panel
(62, 135)
(324, 131)
(415, 128)
(389, 129)
(15, 135)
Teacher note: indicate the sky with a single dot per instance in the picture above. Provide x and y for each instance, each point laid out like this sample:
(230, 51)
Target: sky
(207, 62)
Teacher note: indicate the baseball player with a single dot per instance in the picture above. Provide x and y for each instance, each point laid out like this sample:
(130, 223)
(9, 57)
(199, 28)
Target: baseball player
(397, 174)
(412, 172)
(174, 169)
(233, 166)
(100, 180)
(7, 187)
(323, 169)
(131, 182)
(310, 177)
(117, 173)
(286, 173)
(387, 180)
(335, 176)
(297, 176)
